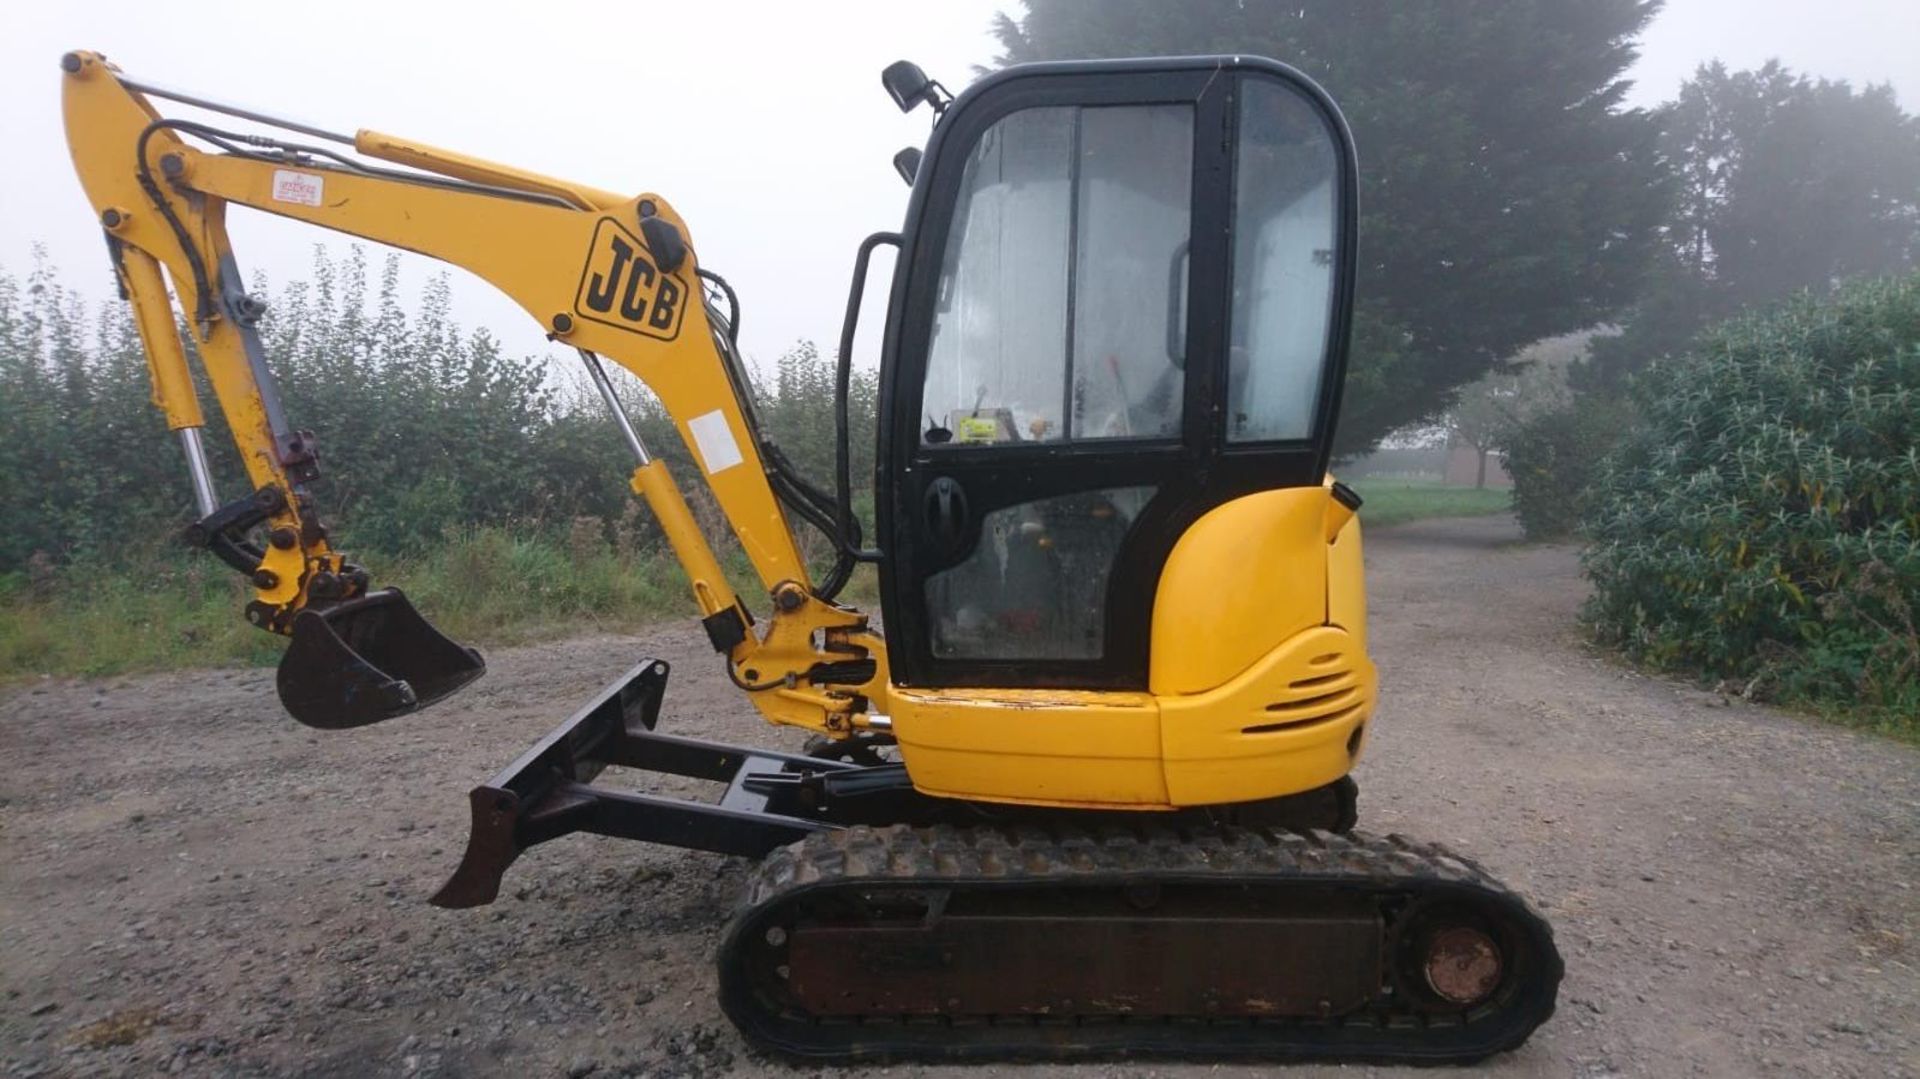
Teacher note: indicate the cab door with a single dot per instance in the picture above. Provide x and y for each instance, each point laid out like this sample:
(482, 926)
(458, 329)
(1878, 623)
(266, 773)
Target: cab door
(1123, 301)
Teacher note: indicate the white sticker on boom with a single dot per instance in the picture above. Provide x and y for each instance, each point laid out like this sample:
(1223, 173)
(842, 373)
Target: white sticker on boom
(718, 450)
(301, 187)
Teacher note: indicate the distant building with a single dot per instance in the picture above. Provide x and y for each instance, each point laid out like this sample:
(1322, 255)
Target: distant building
(1463, 469)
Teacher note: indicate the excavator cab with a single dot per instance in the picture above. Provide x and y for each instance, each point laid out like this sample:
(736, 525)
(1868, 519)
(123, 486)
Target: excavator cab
(1122, 302)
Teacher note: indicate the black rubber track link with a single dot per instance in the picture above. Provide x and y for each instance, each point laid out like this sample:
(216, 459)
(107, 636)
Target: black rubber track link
(1318, 942)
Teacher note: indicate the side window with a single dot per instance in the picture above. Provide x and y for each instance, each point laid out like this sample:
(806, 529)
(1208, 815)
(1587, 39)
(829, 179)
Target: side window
(1285, 219)
(1064, 276)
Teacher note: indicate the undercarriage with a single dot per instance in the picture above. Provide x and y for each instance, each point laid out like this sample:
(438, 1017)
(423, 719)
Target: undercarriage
(882, 923)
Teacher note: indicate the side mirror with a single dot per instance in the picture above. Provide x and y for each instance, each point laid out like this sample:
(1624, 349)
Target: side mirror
(907, 164)
(909, 86)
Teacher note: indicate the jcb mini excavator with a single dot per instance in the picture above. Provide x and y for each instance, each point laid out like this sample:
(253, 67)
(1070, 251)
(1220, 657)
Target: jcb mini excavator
(1090, 795)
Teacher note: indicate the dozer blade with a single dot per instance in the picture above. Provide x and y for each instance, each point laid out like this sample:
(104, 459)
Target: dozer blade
(549, 791)
(369, 659)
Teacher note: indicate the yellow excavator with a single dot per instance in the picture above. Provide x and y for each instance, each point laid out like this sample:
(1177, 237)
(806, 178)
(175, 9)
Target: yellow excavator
(1090, 795)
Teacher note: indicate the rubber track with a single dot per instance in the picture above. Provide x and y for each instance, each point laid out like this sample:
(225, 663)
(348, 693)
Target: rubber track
(901, 856)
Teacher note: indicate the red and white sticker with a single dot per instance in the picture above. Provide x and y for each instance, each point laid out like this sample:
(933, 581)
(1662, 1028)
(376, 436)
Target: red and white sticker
(301, 187)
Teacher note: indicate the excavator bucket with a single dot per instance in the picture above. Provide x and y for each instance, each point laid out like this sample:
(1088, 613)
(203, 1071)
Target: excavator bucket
(369, 659)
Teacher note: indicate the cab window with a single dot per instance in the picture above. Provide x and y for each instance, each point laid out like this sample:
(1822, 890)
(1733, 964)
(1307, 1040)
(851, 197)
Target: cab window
(1059, 302)
(1283, 265)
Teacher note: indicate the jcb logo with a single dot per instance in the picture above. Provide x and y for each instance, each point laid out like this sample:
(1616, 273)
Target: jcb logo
(621, 287)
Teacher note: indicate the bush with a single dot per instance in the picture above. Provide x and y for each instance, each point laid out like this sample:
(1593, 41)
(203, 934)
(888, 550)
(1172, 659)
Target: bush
(1762, 522)
(1552, 459)
(423, 426)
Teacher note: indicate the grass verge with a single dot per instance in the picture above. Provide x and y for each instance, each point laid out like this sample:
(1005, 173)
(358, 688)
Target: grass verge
(169, 608)
(182, 609)
(1392, 502)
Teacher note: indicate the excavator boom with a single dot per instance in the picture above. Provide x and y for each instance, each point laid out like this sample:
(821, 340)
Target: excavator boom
(607, 275)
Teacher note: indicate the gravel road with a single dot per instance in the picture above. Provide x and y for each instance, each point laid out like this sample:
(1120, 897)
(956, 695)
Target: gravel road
(189, 882)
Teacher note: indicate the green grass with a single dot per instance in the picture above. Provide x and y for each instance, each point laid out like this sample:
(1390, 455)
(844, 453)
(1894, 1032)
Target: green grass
(182, 609)
(93, 621)
(1902, 724)
(166, 608)
(1397, 501)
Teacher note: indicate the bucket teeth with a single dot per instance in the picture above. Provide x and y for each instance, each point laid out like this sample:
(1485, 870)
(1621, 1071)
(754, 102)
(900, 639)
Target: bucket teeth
(368, 660)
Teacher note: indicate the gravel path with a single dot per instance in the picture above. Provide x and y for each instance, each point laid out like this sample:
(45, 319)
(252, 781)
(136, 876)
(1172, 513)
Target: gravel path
(189, 882)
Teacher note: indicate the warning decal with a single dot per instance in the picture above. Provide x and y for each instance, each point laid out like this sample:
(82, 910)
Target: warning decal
(301, 187)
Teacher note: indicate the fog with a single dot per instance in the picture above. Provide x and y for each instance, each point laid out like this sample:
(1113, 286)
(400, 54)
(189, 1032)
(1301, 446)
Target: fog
(765, 126)
(764, 123)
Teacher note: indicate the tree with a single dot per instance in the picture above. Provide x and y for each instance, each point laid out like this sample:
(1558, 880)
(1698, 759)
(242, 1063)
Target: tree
(1533, 381)
(1506, 193)
(1785, 183)
(1823, 183)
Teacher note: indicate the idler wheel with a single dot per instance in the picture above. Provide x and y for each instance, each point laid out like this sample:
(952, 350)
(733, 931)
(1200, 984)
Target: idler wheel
(1462, 965)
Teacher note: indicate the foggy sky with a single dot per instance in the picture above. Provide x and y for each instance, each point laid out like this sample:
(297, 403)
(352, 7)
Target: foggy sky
(762, 123)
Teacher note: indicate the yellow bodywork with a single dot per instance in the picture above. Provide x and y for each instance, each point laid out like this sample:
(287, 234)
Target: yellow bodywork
(1259, 684)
